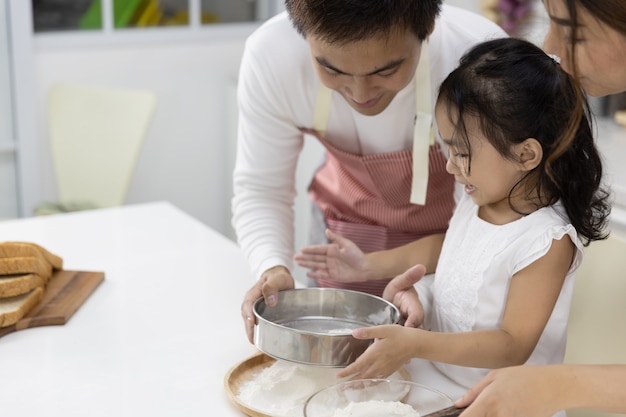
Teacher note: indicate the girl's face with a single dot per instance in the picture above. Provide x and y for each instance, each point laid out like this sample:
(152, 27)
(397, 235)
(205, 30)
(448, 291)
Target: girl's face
(490, 178)
(369, 73)
(600, 49)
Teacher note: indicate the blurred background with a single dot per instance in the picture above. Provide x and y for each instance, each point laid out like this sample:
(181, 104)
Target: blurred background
(185, 55)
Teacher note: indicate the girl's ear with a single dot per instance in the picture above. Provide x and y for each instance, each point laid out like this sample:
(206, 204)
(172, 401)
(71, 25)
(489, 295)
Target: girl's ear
(529, 153)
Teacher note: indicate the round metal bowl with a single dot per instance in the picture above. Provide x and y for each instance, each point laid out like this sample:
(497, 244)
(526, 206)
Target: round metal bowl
(314, 326)
(369, 397)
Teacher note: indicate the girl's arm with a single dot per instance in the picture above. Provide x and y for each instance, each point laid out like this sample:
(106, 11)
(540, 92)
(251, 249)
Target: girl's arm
(392, 262)
(542, 391)
(533, 292)
(341, 260)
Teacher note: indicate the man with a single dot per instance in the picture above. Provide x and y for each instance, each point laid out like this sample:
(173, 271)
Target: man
(360, 76)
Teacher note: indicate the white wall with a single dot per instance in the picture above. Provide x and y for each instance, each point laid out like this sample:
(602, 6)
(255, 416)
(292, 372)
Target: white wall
(189, 149)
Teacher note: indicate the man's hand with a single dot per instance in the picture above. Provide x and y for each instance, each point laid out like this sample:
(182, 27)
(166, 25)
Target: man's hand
(271, 282)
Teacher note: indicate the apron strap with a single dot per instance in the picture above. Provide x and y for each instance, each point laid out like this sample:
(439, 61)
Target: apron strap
(322, 109)
(423, 133)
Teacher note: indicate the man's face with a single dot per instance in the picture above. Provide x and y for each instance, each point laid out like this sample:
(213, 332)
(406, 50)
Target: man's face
(368, 73)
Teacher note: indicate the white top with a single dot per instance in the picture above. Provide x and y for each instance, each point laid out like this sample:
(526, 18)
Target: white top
(277, 94)
(477, 262)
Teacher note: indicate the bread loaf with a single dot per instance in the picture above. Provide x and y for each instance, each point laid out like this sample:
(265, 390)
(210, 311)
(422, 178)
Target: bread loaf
(13, 309)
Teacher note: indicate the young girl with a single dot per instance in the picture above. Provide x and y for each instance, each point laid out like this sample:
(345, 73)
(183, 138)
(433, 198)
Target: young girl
(590, 38)
(524, 152)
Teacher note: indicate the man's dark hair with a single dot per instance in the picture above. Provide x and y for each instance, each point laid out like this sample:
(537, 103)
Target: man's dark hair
(345, 21)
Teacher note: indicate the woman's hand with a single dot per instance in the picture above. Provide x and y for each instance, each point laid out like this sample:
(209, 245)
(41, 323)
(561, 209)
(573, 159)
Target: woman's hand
(517, 391)
(271, 282)
(401, 292)
(341, 260)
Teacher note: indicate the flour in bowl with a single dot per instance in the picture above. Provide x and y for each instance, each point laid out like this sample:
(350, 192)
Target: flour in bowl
(376, 408)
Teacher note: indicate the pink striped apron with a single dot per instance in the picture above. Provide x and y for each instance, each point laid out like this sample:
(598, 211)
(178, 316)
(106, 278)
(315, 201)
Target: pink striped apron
(366, 198)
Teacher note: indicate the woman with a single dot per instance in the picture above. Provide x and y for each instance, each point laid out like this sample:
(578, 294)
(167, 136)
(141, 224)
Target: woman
(589, 36)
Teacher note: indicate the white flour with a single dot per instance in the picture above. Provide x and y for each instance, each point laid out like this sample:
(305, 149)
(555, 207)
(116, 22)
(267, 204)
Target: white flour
(377, 409)
(380, 317)
(280, 390)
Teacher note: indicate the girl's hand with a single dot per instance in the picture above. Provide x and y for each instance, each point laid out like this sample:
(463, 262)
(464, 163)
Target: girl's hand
(401, 292)
(383, 357)
(341, 260)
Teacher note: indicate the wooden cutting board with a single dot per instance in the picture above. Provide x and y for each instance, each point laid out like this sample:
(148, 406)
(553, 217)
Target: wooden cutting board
(65, 293)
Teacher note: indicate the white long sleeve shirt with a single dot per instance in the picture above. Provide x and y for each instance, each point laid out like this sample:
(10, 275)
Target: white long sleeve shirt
(277, 94)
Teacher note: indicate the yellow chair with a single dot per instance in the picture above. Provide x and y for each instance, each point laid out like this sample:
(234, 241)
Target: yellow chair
(96, 135)
(597, 324)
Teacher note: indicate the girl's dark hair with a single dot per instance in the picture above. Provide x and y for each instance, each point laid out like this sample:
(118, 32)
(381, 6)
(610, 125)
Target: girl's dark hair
(515, 91)
(354, 20)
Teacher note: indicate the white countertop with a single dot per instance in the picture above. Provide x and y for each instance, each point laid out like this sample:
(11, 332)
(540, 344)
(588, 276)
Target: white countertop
(156, 338)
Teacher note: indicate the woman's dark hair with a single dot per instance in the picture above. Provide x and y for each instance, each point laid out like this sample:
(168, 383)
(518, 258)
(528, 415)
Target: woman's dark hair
(515, 91)
(347, 21)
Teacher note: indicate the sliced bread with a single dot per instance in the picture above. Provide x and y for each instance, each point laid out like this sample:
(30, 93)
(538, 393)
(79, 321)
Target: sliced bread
(13, 309)
(12, 285)
(26, 265)
(25, 269)
(27, 249)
